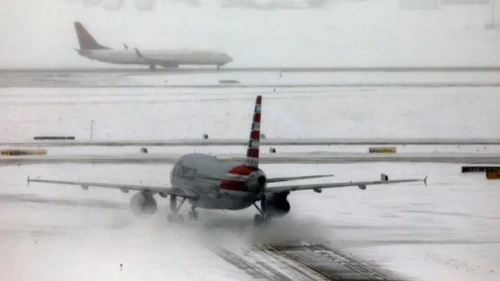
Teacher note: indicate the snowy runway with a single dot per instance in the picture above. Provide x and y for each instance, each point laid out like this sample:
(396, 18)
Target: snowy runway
(280, 158)
(450, 227)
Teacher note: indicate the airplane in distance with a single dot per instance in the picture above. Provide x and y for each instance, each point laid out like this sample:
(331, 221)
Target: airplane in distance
(208, 182)
(90, 49)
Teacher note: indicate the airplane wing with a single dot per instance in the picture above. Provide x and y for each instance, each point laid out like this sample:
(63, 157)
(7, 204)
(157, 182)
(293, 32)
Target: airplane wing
(152, 60)
(297, 178)
(140, 55)
(319, 187)
(123, 187)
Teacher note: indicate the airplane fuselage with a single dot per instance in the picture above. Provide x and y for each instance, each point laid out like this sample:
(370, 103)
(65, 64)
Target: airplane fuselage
(215, 194)
(165, 58)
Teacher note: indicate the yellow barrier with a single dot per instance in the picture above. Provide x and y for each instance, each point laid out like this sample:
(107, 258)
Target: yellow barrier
(17, 152)
(382, 150)
(493, 174)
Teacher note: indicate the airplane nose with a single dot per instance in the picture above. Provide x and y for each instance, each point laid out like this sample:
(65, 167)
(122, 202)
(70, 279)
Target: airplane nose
(229, 58)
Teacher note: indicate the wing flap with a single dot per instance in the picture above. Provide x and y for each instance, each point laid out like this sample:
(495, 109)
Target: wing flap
(122, 187)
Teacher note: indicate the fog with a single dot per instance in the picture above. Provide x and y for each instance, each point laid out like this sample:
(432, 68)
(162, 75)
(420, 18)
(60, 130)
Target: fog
(255, 32)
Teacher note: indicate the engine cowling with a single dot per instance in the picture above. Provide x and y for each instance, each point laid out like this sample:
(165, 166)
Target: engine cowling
(276, 204)
(143, 204)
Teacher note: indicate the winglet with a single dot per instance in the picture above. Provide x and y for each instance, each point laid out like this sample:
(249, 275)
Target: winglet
(139, 53)
(425, 180)
(28, 180)
(252, 159)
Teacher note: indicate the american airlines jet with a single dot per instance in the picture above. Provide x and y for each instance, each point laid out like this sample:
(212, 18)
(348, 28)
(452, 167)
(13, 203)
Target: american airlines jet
(211, 183)
(89, 48)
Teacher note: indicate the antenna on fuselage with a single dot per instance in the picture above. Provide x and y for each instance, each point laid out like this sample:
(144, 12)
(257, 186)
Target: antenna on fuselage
(252, 159)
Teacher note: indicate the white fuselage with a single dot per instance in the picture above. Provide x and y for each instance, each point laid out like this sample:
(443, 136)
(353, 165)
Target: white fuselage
(166, 58)
(212, 194)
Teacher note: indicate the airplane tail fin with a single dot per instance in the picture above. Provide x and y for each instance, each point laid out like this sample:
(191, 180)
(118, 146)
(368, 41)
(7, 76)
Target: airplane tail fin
(87, 42)
(252, 159)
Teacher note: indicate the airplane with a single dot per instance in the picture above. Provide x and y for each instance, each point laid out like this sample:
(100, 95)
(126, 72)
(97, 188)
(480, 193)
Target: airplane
(208, 182)
(89, 48)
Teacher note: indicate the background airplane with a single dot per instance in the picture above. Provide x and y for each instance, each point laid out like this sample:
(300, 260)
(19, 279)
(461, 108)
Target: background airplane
(211, 183)
(89, 48)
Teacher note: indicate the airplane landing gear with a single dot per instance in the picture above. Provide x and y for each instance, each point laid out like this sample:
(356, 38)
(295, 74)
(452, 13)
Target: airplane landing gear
(174, 210)
(261, 219)
(152, 67)
(193, 214)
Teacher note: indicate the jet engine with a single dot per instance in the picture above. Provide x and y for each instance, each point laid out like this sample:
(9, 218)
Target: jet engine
(257, 181)
(143, 203)
(276, 204)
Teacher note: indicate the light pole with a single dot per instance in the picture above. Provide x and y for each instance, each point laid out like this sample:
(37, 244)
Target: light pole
(91, 129)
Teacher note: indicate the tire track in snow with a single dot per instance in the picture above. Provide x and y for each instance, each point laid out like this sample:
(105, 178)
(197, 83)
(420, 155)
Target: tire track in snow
(302, 262)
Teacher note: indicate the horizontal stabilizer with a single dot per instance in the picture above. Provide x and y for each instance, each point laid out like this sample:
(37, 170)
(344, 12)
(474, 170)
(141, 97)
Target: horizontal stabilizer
(221, 179)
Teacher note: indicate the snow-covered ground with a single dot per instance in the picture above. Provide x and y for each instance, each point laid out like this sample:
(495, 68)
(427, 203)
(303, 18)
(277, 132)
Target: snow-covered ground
(265, 79)
(450, 228)
(149, 113)
(446, 231)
